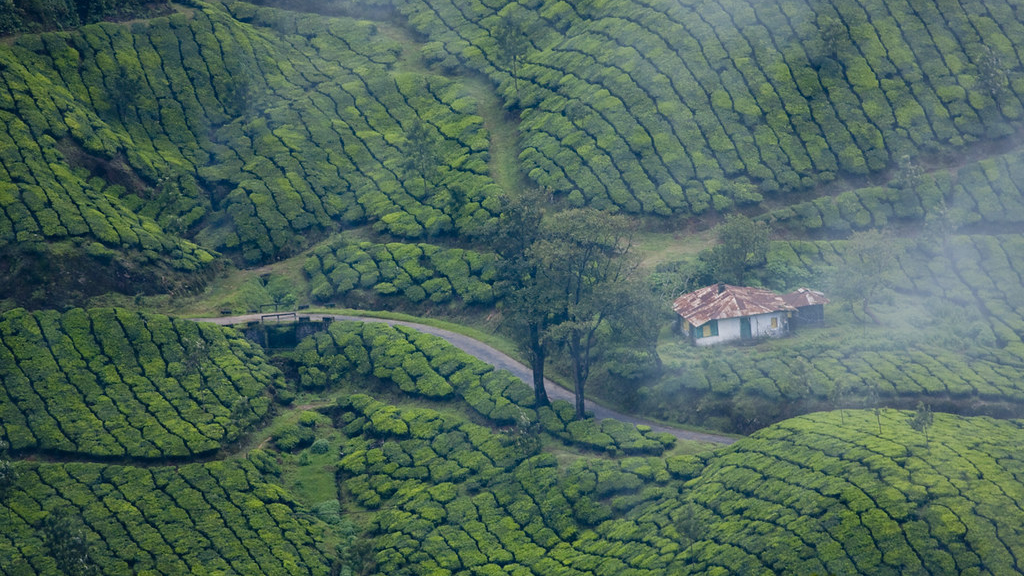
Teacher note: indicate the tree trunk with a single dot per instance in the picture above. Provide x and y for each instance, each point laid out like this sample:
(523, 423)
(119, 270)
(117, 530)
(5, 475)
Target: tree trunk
(540, 395)
(870, 314)
(578, 381)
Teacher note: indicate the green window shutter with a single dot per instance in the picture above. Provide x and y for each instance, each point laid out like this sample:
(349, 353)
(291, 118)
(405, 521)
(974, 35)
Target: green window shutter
(714, 327)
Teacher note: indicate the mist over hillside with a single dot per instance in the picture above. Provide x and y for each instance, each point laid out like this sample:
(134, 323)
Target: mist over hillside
(160, 160)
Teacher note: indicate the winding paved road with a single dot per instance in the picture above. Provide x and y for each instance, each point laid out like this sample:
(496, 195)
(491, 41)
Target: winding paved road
(495, 358)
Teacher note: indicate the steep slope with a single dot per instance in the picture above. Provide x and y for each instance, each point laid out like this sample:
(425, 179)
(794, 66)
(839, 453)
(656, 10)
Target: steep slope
(250, 132)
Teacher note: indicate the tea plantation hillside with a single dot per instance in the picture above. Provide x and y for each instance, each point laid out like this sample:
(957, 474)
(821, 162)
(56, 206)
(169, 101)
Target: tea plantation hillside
(220, 517)
(226, 127)
(668, 107)
(826, 493)
(104, 383)
(200, 157)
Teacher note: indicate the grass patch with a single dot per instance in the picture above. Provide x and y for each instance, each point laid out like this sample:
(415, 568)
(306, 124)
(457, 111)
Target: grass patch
(661, 247)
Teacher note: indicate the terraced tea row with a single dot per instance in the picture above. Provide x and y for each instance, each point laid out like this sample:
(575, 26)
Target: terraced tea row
(988, 192)
(662, 107)
(107, 382)
(191, 519)
(415, 271)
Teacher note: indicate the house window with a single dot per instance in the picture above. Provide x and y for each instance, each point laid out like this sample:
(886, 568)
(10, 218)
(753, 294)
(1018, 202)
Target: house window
(708, 330)
(775, 322)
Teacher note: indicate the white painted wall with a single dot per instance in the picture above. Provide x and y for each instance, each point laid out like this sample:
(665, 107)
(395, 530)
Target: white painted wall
(760, 327)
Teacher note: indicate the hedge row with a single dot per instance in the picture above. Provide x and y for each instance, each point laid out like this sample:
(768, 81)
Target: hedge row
(220, 517)
(416, 271)
(650, 106)
(868, 496)
(458, 498)
(109, 382)
(987, 192)
(201, 115)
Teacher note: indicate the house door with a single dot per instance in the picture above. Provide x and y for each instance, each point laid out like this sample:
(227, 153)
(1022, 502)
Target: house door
(745, 328)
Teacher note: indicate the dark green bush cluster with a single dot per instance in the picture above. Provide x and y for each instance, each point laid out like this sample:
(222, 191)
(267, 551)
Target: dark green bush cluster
(267, 293)
(459, 497)
(608, 434)
(294, 437)
(220, 517)
(108, 382)
(815, 495)
(990, 191)
(418, 272)
(648, 107)
(418, 363)
(29, 16)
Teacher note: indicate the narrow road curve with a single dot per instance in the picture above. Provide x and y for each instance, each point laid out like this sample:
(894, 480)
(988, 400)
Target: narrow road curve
(497, 359)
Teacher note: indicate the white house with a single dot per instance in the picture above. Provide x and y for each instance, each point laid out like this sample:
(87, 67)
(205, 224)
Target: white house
(720, 312)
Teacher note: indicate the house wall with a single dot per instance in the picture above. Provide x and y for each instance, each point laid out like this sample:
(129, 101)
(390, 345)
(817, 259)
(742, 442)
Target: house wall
(728, 329)
(760, 327)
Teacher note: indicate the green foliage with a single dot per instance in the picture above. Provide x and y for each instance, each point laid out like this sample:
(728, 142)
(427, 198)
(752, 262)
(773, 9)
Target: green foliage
(196, 518)
(292, 438)
(628, 104)
(742, 246)
(858, 501)
(108, 382)
(415, 272)
(150, 134)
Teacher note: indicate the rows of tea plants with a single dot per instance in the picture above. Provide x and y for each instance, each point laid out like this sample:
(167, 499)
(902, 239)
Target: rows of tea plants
(202, 116)
(990, 191)
(650, 106)
(417, 272)
(215, 518)
(109, 382)
(863, 494)
(457, 497)
(60, 214)
(857, 493)
(428, 366)
(979, 274)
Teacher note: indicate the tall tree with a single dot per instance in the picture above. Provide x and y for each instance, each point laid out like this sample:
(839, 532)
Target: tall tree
(742, 245)
(922, 420)
(586, 271)
(512, 44)
(526, 305)
(64, 536)
(867, 269)
(8, 475)
(420, 155)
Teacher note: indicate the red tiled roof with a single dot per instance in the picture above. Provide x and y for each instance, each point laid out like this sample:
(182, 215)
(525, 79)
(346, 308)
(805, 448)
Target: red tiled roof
(804, 297)
(720, 301)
